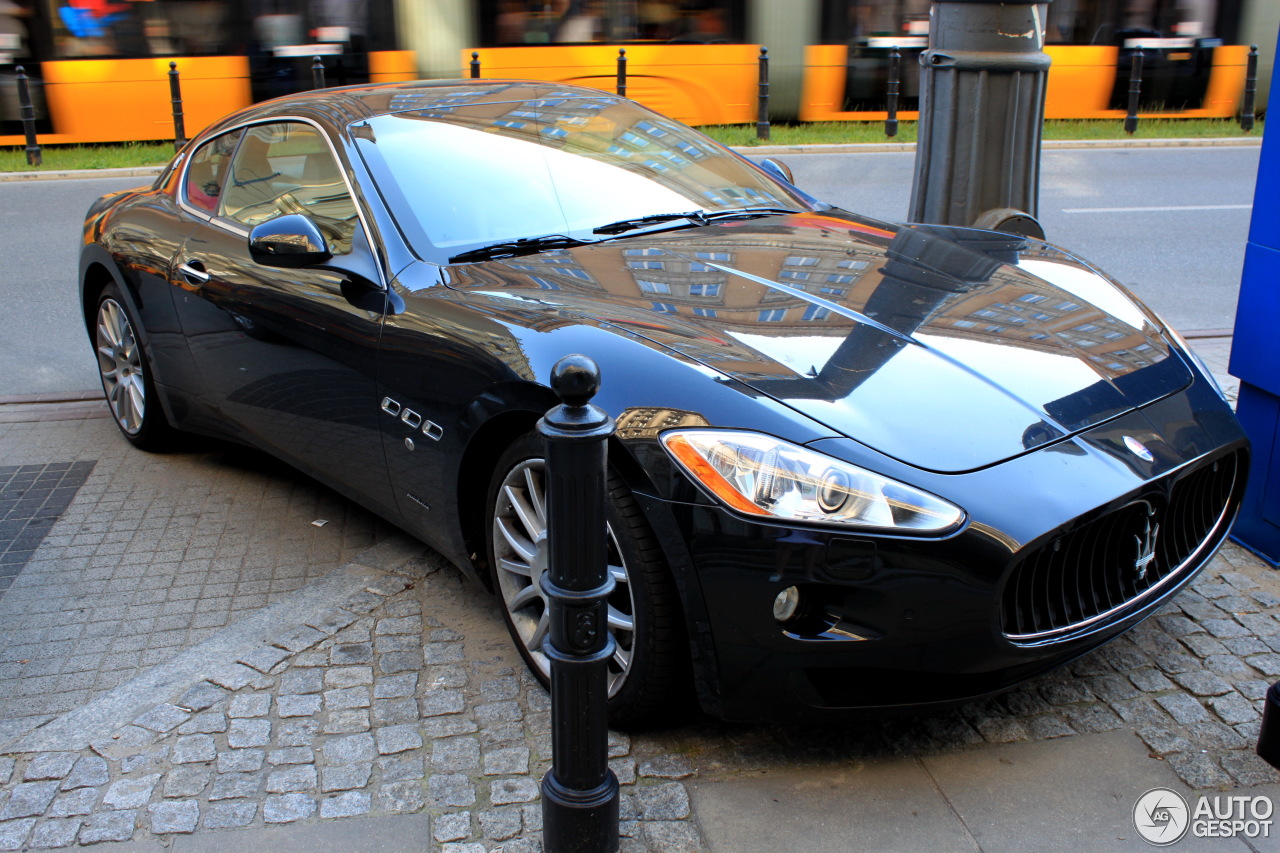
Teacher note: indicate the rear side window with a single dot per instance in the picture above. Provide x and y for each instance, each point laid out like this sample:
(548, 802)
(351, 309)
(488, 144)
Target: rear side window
(288, 168)
(208, 172)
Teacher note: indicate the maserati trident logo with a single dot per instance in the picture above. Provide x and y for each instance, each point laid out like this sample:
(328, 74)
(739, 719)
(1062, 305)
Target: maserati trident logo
(1139, 449)
(1146, 546)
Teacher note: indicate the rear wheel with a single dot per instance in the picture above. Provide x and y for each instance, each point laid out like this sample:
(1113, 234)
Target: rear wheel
(126, 375)
(647, 672)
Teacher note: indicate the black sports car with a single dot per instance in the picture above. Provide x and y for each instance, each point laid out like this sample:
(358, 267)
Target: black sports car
(857, 465)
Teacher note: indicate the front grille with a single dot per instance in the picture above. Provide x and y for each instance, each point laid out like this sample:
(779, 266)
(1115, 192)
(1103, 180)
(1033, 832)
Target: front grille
(1108, 564)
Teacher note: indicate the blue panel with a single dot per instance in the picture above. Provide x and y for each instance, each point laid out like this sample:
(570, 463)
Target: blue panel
(1256, 527)
(1255, 356)
(1265, 229)
(1255, 350)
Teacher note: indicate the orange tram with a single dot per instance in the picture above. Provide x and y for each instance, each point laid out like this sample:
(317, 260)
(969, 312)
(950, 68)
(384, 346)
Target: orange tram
(98, 68)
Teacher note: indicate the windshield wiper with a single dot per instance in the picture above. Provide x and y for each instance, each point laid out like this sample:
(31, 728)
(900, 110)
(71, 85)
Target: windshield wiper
(745, 213)
(696, 216)
(511, 248)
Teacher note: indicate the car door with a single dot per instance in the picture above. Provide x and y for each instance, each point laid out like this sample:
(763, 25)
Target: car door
(289, 355)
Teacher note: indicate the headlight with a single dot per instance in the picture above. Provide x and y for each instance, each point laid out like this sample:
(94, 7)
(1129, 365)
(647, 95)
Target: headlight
(764, 476)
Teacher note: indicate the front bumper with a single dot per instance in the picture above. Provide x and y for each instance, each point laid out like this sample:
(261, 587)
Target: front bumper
(894, 622)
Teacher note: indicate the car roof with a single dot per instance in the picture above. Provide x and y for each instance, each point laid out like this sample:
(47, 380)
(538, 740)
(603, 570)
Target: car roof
(343, 105)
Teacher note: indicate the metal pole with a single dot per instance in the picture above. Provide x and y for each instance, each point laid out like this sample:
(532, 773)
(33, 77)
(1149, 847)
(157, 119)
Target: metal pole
(34, 155)
(579, 793)
(175, 97)
(622, 72)
(1250, 89)
(895, 86)
(1135, 89)
(762, 113)
(982, 93)
(317, 73)
(475, 65)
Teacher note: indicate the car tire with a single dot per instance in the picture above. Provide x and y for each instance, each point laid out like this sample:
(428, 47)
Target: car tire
(126, 374)
(648, 676)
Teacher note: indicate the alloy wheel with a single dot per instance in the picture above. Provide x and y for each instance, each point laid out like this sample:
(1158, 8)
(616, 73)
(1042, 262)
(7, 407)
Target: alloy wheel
(520, 548)
(120, 363)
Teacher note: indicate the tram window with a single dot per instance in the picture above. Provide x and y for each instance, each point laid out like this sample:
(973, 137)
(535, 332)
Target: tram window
(859, 22)
(208, 171)
(159, 27)
(503, 23)
(211, 27)
(287, 168)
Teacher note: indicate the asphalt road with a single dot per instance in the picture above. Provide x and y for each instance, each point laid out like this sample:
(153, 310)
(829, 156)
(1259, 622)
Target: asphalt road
(1170, 223)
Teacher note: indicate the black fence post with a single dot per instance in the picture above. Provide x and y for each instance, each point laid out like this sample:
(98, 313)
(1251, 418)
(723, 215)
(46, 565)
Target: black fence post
(317, 73)
(475, 65)
(895, 87)
(34, 155)
(175, 98)
(1250, 89)
(622, 72)
(579, 793)
(1135, 89)
(762, 110)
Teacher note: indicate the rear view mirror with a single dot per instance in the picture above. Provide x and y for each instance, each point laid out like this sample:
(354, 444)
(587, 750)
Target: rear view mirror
(290, 241)
(778, 169)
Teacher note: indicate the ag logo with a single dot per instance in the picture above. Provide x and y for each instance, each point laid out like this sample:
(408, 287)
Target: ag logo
(1161, 816)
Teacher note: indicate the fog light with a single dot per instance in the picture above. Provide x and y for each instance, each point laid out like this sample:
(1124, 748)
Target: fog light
(786, 604)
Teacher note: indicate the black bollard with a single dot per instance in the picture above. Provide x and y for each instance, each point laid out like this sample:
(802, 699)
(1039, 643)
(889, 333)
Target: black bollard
(895, 86)
(475, 65)
(1250, 89)
(317, 74)
(762, 112)
(622, 72)
(1268, 748)
(175, 98)
(341, 68)
(34, 156)
(1135, 89)
(579, 793)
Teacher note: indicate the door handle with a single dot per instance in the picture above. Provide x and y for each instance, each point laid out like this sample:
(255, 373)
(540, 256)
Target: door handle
(194, 272)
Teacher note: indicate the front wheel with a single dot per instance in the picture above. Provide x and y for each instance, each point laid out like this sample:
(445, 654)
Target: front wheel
(126, 375)
(648, 671)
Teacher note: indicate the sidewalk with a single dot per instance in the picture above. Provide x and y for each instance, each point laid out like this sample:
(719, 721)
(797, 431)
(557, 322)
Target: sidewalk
(191, 660)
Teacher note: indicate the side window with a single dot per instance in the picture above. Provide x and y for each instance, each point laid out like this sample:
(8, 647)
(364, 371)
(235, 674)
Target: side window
(208, 171)
(287, 168)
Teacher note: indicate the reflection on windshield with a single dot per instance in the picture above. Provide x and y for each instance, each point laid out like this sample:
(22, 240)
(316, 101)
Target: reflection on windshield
(468, 174)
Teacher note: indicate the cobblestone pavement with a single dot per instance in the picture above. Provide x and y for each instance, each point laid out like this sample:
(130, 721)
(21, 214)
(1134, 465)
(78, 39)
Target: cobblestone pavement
(345, 671)
(346, 715)
(154, 554)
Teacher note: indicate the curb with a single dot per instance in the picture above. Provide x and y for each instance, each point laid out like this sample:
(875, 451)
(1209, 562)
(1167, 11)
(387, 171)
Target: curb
(811, 148)
(80, 174)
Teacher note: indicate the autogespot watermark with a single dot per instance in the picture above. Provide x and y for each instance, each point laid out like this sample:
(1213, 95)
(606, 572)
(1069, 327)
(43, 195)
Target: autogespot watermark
(1163, 817)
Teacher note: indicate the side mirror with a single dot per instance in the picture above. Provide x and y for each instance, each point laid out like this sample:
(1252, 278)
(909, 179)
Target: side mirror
(778, 169)
(289, 241)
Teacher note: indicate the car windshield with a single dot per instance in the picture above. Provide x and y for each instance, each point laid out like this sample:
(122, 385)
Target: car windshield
(466, 176)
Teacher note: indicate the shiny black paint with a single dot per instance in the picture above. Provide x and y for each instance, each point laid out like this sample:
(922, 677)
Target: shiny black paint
(1021, 402)
(289, 357)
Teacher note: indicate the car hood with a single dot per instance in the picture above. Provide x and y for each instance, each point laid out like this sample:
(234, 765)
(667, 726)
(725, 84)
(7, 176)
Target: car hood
(949, 349)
